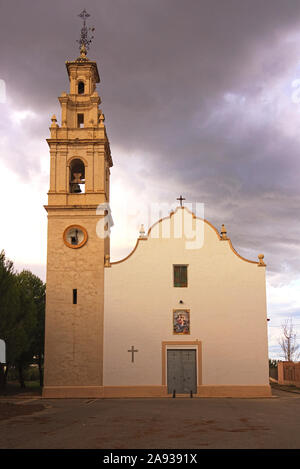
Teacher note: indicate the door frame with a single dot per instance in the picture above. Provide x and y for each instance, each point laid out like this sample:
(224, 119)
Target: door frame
(182, 344)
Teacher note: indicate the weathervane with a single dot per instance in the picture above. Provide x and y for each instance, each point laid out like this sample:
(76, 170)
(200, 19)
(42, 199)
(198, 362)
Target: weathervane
(85, 40)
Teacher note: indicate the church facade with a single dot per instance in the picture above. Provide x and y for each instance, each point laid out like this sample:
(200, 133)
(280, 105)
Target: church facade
(165, 321)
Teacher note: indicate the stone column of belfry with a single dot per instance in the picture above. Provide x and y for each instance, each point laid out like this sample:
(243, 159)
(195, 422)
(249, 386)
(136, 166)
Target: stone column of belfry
(79, 181)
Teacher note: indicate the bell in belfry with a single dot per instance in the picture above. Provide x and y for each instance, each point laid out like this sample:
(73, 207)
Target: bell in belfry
(75, 182)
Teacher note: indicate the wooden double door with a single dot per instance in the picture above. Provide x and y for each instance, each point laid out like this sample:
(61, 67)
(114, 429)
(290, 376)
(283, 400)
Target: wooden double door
(181, 371)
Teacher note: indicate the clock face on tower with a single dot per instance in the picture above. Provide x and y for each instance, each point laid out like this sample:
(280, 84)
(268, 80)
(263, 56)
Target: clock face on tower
(75, 236)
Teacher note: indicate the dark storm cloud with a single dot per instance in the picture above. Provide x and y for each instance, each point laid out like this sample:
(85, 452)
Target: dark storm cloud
(184, 83)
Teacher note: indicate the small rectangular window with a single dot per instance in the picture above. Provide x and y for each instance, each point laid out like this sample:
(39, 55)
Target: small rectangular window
(180, 275)
(80, 120)
(75, 296)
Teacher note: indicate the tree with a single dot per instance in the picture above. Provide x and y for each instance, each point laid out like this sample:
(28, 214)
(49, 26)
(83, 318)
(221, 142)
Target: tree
(288, 341)
(22, 313)
(8, 309)
(26, 324)
(37, 290)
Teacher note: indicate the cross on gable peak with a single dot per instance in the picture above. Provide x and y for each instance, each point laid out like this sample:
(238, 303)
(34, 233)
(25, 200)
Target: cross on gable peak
(181, 199)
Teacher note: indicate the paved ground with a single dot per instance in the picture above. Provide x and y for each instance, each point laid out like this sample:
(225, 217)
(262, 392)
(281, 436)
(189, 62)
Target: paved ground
(153, 423)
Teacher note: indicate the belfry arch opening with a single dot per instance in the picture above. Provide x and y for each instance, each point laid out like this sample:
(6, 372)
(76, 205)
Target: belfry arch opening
(80, 87)
(77, 176)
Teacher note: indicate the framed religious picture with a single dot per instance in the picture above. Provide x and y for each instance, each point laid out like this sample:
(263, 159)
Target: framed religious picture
(181, 321)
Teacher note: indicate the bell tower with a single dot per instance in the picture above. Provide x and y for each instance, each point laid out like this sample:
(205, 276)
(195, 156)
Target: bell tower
(80, 162)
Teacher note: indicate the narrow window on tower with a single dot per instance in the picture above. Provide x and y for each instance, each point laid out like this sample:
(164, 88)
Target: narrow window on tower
(81, 87)
(180, 275)
(75, 296)
(80, 121)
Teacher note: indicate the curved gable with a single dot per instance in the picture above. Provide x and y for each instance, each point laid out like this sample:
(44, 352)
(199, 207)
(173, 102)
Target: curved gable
(156, 230)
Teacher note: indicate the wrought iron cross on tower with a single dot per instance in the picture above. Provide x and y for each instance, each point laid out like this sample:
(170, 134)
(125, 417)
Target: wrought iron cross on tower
(85, 40)
(132, 351)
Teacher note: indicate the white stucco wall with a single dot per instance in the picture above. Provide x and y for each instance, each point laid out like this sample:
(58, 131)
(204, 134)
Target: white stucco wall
(227, 301)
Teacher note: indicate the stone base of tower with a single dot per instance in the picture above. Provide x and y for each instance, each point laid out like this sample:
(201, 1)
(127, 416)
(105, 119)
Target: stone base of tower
(119, 392)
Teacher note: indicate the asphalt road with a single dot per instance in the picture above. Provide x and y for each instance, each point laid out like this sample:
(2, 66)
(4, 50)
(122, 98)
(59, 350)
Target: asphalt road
(153, 423)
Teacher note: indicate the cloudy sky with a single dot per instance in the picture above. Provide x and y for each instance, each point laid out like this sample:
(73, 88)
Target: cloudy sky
(201, 97)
